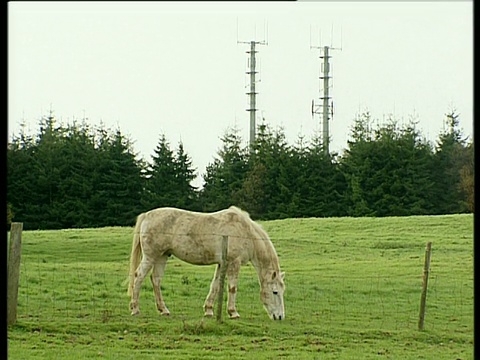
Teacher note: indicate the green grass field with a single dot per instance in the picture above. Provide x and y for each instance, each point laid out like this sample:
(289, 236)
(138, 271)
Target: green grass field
(353, 292)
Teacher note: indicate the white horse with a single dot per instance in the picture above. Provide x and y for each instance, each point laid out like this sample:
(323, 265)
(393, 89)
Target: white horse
(196, 238)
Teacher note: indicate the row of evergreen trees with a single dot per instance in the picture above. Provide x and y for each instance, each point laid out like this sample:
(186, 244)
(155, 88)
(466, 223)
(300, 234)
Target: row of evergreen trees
(81, 176)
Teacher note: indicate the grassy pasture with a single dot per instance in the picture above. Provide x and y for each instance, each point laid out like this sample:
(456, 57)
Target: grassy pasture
(353, 292)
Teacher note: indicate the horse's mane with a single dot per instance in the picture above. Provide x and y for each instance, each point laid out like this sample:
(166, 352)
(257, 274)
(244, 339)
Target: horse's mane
(252, 225)
(240, 211)
(256, 228)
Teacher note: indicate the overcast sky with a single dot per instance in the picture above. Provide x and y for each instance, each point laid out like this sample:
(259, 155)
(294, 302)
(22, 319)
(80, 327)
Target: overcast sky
(176, 68)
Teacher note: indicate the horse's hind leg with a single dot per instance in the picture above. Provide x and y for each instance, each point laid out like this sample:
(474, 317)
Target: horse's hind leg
(156, 277)
(209, 301)
(140, 274)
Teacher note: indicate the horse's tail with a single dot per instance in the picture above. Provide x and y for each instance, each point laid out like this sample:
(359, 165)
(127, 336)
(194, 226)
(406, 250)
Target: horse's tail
(135, 254)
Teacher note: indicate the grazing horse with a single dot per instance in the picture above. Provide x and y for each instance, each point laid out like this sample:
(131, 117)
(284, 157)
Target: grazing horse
(196, 238)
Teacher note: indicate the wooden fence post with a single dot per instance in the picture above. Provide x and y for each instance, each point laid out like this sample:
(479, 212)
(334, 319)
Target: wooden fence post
(423, 299)
(223, 273)
(13, 271)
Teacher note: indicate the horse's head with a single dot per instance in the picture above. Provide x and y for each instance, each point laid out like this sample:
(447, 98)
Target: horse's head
(271, 294)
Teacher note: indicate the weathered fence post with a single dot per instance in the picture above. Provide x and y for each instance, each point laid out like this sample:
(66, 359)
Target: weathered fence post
(223, 273)
(423, 299)
(13, 271)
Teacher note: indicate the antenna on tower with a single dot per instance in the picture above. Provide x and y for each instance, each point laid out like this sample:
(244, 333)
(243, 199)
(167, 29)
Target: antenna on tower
(331, 36)
(341, 38)
(252, 71)
(325, 105)
(265, 31)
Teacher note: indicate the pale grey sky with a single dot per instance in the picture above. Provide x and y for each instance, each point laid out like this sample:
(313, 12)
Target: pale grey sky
(176, 67)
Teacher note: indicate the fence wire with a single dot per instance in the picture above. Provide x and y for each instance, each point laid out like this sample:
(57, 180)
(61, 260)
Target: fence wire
(69, 284)
(92, 292)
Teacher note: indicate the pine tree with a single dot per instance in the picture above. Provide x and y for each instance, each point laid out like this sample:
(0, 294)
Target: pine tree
(322, 185)
(122, 182)
(355, 165)
(70, 176)
(43, 211)
(271, 159)
(224, 177)
(467, 178)
(388, 170)
(161, 182)
(449, 159)
(185, 174)
(75, 188)
(20, 178)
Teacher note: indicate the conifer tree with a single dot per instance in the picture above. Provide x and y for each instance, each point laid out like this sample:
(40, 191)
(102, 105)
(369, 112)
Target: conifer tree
(185, 174)
(160, 182)
(388, 169)
(225, 176)
(449, 160)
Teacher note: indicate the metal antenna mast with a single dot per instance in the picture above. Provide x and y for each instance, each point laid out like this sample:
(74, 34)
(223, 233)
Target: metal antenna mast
(325, 107)
(252, 94)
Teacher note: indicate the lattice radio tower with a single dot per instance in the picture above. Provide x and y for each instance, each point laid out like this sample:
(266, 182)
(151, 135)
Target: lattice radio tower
(252, 94)
(325, 105)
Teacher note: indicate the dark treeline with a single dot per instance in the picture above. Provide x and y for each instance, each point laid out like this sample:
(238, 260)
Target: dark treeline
(77, 176)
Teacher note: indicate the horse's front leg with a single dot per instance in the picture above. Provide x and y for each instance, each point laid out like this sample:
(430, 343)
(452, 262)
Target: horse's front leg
(233, 270)
(209, 301)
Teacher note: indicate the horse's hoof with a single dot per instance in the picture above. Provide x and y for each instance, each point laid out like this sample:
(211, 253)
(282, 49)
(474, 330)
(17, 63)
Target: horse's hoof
(234, 315)
(208, 313)
(135, 312)
(165, 313)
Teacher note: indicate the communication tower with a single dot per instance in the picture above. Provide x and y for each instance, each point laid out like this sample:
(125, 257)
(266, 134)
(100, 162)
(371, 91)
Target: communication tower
(325, 106)
(252, 93)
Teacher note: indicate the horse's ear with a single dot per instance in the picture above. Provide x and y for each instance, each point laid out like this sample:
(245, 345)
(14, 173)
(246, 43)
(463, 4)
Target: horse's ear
(274, 275)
